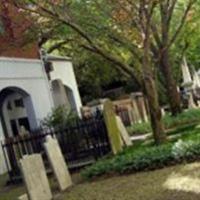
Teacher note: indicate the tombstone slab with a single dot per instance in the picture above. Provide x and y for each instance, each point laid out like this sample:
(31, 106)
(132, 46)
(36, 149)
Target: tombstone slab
(124, 134)
(112, 128)
(58, 163)
(23, 197)
(35, 177)
(136, 112)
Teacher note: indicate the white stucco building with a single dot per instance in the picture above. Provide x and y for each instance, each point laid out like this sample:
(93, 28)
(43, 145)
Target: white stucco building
(64, 90)
(30, 89)
(31, 83)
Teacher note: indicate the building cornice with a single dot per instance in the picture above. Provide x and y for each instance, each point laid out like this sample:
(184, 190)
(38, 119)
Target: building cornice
(13, 59)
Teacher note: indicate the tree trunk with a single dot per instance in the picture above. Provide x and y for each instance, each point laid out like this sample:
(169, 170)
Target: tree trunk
(149, 83)
(154, 110)
(150, 89)
(171, 86)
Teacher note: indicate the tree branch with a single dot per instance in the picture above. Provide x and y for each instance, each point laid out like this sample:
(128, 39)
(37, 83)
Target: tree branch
(183, 19)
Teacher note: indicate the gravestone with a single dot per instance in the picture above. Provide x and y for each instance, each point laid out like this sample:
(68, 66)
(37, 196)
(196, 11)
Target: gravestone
(163, 112)
(23, 197)
(112, 128)
(57, 162)
(187, 83)
(191, 103)
(124, 134)
(35, 177)
(136, 112)
(141, 106)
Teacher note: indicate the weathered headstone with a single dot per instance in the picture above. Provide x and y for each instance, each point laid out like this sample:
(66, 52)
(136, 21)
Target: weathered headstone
(112, 128)
(124, 134)
(130, 116)
(163, 112)
(187, 83)
(58, 163)
(144, 110)
(35, 177)
(187, 78)
(136, 112)
(141, 106)
(23, 197)
(191, 104)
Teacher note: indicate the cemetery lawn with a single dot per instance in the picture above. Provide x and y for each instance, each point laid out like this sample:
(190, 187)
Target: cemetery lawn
(181, 182)
(178, 182)
(9, 192)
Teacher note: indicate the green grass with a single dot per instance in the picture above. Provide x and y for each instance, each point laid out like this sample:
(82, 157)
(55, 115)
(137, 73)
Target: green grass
(159, 184)
(146, 156)
(11, 192)
(185, 118)
(178, 182)
(139, 129)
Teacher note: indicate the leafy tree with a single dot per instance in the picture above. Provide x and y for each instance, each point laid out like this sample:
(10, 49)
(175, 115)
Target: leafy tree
(168, 21)
(189, 40)
(106, 29)
(171, 23)
(59, 117)
(94, 74)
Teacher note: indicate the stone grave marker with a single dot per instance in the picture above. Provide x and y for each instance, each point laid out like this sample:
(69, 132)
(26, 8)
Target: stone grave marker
(124, 134)
(112, 128)
(35, 177)
(57, 162)
(23, 197)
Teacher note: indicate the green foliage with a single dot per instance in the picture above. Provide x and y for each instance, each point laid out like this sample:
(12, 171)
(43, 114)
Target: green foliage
(87, 66)
(186, 149)
(59, 117)
(188, 117)
(139, 128)
(132, 161)
(146, 158)
(182, 146)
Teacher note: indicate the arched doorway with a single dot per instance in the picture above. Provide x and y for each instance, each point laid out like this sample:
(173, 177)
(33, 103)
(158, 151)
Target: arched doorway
(16, 110)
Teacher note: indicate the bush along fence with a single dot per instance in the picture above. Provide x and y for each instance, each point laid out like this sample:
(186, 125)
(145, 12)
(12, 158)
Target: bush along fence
(82, 142)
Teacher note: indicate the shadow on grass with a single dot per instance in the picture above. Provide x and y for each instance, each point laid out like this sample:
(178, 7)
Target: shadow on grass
(174, 183)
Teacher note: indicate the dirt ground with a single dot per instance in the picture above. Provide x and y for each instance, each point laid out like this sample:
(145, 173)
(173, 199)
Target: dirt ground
(180, 182)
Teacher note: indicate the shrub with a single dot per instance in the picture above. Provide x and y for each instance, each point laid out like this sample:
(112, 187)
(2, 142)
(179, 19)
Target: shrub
(186, 150)
(139, 128)
(188, 117)
(142, 159)
(59, 117)
(146, 158)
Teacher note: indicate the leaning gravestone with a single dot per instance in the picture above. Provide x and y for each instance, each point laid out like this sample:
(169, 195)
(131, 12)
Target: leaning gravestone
(23, 197)
(124, 134)
(57, 163)
(35, 177)
(112, 128)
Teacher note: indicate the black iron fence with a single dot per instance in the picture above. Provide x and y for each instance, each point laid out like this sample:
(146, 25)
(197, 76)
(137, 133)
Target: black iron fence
(82, 142)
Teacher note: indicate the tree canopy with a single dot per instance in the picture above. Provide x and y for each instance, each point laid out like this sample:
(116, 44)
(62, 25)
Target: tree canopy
(136, 37)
